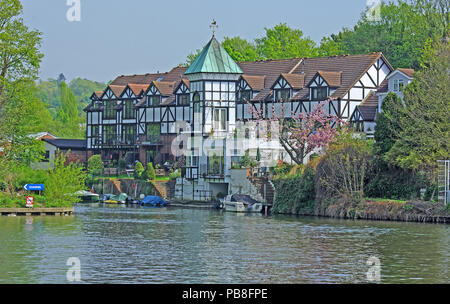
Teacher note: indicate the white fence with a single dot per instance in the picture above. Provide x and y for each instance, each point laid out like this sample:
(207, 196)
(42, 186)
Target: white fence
(444, 181)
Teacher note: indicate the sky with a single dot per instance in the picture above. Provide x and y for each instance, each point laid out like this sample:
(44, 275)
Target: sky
(125, 37)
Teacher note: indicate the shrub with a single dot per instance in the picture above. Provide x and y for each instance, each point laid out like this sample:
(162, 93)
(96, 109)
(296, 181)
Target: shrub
(138, 170)
(122, 164)
(175, 174)
(296, 194)
(149, 173)
(95, 165)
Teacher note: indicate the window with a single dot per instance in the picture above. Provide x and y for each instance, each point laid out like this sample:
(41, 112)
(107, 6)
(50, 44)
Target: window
(128, 110)
(395, 85)
(183, 99)
(320, 93)
(46, 157)
(400, 84)
(153, 132)
(128, 134)
(109, 135)
(215, 163)
(220, 91)
(110, 110)
(95, 135)
(282, 94)
(244, 96)
(220, 119)
(153, 101)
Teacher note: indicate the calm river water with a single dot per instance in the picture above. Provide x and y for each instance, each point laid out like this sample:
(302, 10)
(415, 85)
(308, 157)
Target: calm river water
(145, 245)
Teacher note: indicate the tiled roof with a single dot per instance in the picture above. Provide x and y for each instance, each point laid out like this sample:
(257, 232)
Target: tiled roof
(408, 72)
(117, 89)
(332, 78)
(254, 81)
(383, 86)
(296, 81)
(369, 107)
(137, 88)
(165, 87)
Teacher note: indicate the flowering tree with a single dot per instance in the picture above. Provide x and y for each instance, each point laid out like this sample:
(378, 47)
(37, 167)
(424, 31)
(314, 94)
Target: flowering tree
(300, 134)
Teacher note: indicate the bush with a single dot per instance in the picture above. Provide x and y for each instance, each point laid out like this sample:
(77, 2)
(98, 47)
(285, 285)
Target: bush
(149, 173)
(95, 165)
(296, 194)
(175, 174)
(138, 170)
(122, 164)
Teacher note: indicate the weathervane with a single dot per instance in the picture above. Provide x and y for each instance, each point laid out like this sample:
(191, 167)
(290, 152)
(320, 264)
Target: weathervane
(213, 26)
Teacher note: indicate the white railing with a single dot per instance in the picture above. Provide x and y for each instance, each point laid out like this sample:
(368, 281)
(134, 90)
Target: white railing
(444, 181)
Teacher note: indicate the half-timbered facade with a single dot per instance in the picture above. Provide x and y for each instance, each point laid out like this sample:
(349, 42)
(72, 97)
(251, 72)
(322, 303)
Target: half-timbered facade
(187, 114)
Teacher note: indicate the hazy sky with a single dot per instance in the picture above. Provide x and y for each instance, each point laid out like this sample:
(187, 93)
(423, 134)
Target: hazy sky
(116, 37)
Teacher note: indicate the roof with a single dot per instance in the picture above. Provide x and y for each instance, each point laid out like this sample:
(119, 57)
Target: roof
(369, 107)
(137, 88)
(332, 78)
(213, 59)
(66, 144)
(407, 72)
(255, 82)
(42, 135)
(164, 87)
(117, 89)
(296, 81)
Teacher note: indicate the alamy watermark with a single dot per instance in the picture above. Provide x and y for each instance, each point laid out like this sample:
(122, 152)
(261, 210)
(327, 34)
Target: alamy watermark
(74, 11)
(374, 272)
(73, 274)
(373, 10)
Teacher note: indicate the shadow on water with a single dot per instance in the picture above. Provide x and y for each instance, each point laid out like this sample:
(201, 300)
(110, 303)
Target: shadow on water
(121, 244)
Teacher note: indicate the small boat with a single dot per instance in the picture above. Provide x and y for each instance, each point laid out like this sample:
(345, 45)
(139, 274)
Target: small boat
(88, 197)
(241, 203)
(115, 199)
(153, 201)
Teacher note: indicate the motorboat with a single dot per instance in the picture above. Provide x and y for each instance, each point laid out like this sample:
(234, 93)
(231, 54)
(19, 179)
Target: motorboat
(115, 199)
(241, 203)
(153, 201)
(88, 197)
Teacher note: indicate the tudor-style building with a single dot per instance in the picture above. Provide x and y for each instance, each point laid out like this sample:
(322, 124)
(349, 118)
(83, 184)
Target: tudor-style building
(187, 114)
(364, 116)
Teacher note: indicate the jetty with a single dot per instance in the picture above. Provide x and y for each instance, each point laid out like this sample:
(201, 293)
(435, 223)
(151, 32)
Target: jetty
(36, 211)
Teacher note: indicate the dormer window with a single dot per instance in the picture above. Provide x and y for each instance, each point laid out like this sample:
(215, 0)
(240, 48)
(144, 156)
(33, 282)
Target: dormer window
(153, 101)
(319, 93)
(282, 94)
(183, 99)
(244, 96)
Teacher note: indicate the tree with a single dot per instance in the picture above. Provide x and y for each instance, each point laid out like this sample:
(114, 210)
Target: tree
(68, 115)
(401, 32)
(423, 135)
(302, 134)
(149, 173)
(240, 49)
(387, 123)
(95, 164)
(330, 47)
(283, 42)
(19, 47)
(138, 170)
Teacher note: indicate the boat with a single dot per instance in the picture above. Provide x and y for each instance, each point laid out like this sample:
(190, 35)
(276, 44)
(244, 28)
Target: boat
(153, 201)
(88, 197)
(241, 203)
(115, 199)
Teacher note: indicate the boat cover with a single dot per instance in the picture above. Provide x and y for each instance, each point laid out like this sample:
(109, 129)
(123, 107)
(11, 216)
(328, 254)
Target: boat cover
(154, 201)
(243, 198)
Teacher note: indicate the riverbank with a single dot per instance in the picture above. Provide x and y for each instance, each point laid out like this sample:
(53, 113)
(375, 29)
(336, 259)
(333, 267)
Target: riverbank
(379, 210)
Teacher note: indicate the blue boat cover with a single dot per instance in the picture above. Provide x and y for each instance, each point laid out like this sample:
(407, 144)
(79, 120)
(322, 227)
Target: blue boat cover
(154, 201)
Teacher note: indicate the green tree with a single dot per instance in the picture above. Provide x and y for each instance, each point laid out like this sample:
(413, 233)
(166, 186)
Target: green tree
(387, 122)
(330, 47)
(402, 31)
(149, 173)
(68, 116)
(62, 182)
(423, 135)
(95, 164)
(282, 42)
(138, 170)
(240, 49)
(19, 47)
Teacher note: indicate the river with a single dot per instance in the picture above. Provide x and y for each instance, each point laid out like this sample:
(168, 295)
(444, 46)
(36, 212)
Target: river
(148, 245)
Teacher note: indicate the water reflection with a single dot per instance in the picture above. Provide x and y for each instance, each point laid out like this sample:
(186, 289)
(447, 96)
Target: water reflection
(148, 245)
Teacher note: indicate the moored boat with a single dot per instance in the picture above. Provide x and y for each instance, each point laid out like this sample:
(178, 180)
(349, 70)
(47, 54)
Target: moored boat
(241, 203)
